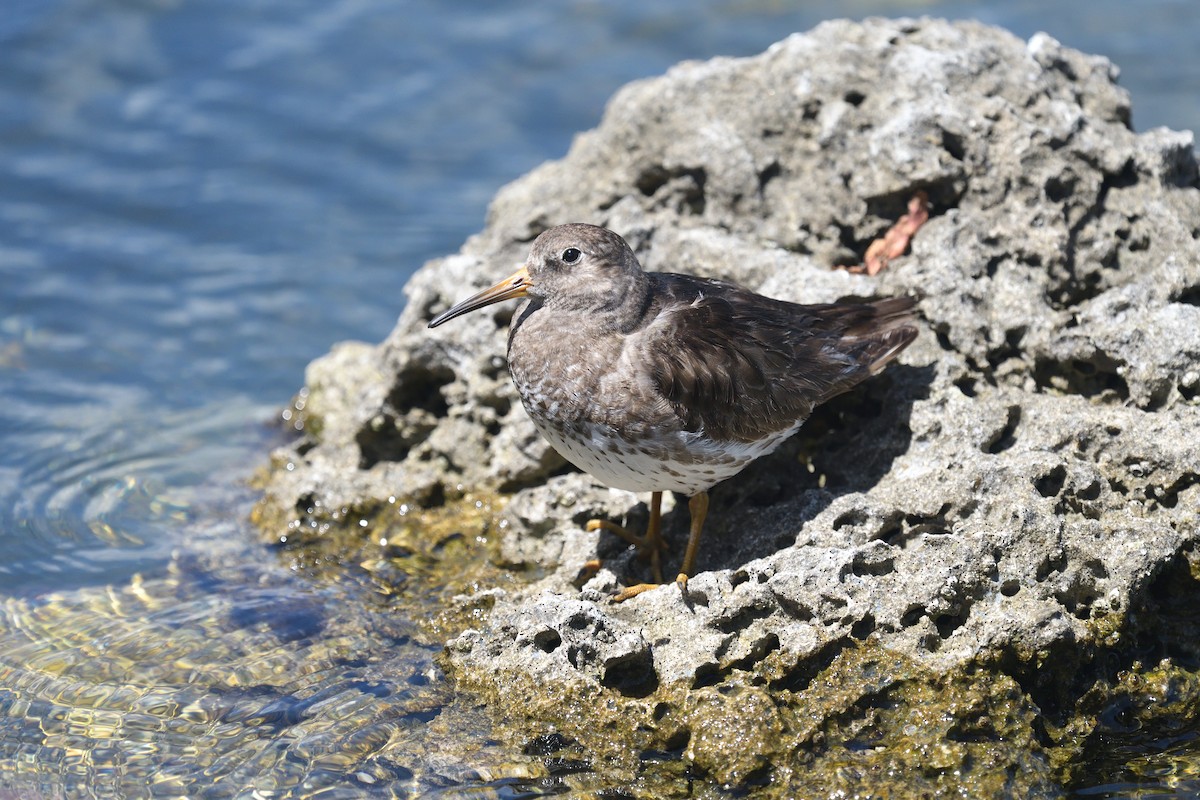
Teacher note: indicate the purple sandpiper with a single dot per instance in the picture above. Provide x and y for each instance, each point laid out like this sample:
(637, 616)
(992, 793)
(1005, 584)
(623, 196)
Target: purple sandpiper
(654, 381)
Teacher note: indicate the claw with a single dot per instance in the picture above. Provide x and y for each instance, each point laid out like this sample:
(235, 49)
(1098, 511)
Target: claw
(653, 543)
(586, 573)
(633, 591)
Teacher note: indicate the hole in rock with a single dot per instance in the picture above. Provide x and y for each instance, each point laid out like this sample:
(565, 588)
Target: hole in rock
(952, 143)
(893, 532)
(547, 641)
(706, 675)
(434, 497)
(947, 624)
(685, 185)
(678, 740)
(1006, 438)
(420, 386)
(943, 339)
(772, 171)
(547, 744)
(632, 676)
(392, 436)
(853, 517)
(863, 566)
(1060, 187)
(1168, 496)
(1189, 296)
(806, 671)
(1049, 566)
(1050, 484)
(743, 618)
(863, 628)
(1089, 492)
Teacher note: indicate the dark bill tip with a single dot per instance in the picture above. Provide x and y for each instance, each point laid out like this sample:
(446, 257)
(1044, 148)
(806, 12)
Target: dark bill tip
(515, 285)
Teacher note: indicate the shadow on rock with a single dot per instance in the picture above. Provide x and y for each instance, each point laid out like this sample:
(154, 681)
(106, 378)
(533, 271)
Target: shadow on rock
(845, 447)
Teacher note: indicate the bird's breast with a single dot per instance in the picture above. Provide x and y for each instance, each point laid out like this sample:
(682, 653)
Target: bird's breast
(566, 371)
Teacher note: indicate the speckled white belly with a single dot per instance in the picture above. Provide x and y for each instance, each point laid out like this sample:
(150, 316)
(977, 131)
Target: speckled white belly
(677, 462)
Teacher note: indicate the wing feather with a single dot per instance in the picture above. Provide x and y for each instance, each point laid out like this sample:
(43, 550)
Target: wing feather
(741, 366)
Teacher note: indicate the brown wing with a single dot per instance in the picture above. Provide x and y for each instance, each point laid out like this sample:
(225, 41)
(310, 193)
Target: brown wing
(742, 366)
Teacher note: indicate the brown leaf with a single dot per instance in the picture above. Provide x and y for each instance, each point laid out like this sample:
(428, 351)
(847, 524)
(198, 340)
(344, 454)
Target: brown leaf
(893, 243)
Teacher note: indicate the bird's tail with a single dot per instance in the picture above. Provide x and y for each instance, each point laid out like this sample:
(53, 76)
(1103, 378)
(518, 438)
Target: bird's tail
(883, 328)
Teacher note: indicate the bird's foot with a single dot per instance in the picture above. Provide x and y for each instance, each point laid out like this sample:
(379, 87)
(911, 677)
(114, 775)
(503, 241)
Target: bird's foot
(633, 591)
(588, 571)
(641, 542)
(612, 527)
(628, 592)
(650, 547)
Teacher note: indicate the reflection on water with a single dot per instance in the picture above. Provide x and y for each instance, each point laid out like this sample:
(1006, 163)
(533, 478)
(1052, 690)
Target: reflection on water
(99, 503)
(218, 676)
(197, 199)
(200, 679)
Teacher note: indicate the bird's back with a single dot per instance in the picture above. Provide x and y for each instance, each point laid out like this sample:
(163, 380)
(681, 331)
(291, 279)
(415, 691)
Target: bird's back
(741, 366)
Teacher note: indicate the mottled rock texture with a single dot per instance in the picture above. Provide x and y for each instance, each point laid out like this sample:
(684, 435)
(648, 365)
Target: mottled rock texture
(1008, 494)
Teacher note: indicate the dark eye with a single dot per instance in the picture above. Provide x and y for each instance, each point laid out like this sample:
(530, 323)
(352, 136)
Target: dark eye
(571, 255)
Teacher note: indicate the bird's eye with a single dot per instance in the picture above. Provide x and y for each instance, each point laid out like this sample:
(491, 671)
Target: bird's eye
(571, 255)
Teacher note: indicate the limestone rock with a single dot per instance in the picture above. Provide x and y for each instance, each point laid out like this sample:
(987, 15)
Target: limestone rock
(1009, 492)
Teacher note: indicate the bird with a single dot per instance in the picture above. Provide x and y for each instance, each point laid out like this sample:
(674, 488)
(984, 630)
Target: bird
(661, 381)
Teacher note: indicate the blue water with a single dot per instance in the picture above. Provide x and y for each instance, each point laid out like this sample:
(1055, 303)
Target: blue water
(197, 198)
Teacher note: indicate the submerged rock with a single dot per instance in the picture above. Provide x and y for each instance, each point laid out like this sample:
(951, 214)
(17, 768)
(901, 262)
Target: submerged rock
(943, 564)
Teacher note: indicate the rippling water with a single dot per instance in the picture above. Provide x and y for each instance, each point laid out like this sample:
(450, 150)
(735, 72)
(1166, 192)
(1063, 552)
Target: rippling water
(198, 198)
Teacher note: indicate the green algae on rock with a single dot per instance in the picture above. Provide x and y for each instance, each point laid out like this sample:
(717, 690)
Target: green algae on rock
(863, 722)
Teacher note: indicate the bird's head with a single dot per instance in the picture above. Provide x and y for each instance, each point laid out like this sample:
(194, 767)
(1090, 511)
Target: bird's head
(574, 266)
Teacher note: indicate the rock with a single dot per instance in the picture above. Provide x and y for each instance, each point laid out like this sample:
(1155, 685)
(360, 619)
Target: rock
(1005, 497)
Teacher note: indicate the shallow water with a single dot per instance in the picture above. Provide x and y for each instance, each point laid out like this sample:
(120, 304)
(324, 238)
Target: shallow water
(197, 199)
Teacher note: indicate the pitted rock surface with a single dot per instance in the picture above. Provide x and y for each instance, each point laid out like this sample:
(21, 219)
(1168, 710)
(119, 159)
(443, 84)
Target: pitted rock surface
(1011, 488)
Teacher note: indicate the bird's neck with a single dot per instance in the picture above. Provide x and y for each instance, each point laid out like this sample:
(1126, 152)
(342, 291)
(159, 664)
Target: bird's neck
(624, 310)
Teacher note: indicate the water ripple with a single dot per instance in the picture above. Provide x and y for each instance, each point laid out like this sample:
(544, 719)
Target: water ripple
(98, 504)
(202, 679)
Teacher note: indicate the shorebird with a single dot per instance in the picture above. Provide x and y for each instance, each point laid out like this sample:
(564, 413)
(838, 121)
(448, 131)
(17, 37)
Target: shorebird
(654, 381)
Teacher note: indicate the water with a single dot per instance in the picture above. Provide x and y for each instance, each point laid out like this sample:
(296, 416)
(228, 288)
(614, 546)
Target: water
(196, 199)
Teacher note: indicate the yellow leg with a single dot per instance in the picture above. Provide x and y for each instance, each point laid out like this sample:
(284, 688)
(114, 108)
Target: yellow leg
(586, 572)
(650, 545)
(633, 591)
(698, 506)
(654, 541)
